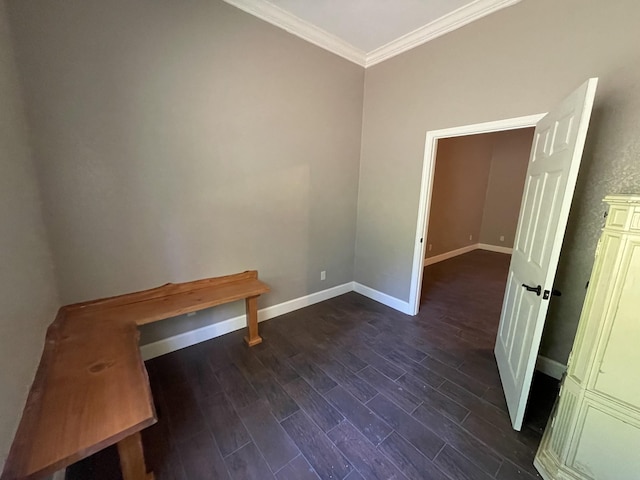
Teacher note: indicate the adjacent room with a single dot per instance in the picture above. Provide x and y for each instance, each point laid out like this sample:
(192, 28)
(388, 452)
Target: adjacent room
(476, 194)
(152, 142)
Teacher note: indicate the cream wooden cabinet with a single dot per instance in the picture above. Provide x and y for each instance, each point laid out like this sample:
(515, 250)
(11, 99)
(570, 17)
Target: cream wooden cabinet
(594, 431)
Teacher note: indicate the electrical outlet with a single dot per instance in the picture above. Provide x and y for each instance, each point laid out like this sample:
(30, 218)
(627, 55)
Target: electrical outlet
(470, 237)
(502, 238)
(430, 246)
(323, 275)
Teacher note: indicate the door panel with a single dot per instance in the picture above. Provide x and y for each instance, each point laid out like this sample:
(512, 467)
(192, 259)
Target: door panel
(551, 177)
(540, 246)
(531, 199)
(520, 328)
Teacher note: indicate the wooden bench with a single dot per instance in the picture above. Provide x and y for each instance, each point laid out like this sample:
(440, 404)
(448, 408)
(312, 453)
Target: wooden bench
(91, 388)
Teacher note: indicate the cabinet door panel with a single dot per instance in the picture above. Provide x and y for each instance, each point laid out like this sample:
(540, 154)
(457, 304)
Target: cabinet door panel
(620, 352)
(606, 446)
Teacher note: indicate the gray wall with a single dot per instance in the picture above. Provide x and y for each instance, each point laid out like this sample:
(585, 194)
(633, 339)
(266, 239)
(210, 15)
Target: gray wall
(27, 289)
(459, 189)
(509, 162)
(518, 61)
(181, 140)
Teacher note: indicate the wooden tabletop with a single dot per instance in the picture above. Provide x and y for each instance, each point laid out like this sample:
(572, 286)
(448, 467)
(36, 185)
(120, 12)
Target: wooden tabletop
(91, 389)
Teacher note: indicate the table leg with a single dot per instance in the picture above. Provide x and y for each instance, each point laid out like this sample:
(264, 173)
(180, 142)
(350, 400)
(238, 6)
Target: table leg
(252, 322)
(132, 459)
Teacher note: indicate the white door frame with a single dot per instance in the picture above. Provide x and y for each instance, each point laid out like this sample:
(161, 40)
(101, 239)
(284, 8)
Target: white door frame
(426, 187)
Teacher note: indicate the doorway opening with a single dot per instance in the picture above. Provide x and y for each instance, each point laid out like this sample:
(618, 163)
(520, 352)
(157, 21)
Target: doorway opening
(550, 181)
(477, 191)
(474, 217)
(427, 185)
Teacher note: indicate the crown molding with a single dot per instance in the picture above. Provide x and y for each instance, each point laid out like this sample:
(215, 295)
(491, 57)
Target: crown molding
(281, 18)
(301, 28)
(452, 21)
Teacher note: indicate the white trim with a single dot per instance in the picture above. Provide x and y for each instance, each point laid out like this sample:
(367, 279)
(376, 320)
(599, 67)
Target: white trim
(301, 302)
(192, 337)
(461, 251)
(426, 185)
(452, 21)
(301, 28)
(447, 255)
(307, 31)
(383, 298)
(494, 248)
(202, 334)
(550, 367)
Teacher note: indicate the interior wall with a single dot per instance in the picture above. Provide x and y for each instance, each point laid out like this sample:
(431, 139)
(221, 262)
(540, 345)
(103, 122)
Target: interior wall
(27, 286)
(509, 162)
(182, 140)
(459, 189)
(518, 61)
(477, 190)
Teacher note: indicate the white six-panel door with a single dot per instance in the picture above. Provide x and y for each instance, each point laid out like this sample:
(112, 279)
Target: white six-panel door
(557, 148)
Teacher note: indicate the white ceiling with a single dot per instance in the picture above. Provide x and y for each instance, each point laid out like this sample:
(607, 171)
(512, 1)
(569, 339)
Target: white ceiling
(369, 24)
(370, 31)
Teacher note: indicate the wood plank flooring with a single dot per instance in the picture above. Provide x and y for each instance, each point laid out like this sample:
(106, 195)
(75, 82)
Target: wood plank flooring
(348, 389)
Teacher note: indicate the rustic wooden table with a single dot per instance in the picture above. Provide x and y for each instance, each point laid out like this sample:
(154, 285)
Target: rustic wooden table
(91, 389)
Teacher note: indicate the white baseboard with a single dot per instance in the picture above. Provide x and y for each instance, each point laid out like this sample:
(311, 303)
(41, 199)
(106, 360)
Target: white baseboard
(453, 253)
(217, 329)
(301, 302)
(495, 248)
(550, 367)
(469, 248)
(383, 298)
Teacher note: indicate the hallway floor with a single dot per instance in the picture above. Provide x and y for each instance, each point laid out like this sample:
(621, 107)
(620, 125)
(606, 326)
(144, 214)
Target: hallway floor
(348, 389)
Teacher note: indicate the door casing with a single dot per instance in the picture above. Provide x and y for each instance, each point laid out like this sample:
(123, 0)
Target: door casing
(426, 187)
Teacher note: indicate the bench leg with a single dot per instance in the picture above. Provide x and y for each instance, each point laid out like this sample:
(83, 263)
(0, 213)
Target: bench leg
(132, 459)
(252, 322)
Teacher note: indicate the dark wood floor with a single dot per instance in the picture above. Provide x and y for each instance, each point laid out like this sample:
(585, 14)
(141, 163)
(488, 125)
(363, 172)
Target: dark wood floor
(348, 389)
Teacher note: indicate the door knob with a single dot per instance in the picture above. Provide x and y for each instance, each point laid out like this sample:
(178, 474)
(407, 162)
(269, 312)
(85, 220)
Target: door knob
(537, 289)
